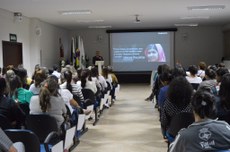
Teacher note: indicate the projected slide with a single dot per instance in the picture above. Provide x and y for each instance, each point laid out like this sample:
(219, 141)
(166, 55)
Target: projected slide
(152, 53)
(140, 51)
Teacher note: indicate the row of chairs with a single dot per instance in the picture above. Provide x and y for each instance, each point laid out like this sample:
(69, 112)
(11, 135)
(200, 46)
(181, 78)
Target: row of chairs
(100, 105)
(41, 134)
(41, 131)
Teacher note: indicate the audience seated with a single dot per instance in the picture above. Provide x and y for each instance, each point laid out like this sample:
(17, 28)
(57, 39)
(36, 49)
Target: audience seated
(165, 79)
(157, 83)
(192, 77)
(86, 82)
(9, 108)
(205, 134)
(210, 81)
(223, 101)
(49, 101)
(55, 71)
(46, 97)
(39, 77)
(221, 71)
(6, 145)
(76, 99)
(201, 70)
(18, 93)
(114, 82)
(178, 100)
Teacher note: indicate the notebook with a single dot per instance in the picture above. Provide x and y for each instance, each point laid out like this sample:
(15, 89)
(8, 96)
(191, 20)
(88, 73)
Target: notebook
(58, 147)
(70, 133)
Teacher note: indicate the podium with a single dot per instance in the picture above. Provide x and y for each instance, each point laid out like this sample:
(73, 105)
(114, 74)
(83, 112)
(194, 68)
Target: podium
(99, 64)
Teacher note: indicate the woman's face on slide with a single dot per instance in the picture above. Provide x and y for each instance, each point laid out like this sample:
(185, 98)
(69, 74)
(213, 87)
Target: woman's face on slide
(152, 54)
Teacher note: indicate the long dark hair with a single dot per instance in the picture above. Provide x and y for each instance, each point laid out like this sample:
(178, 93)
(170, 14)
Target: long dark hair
(15, 83)
(84, 76)
(68, 78)
(180, 91)
(224, 91)
(2, 85)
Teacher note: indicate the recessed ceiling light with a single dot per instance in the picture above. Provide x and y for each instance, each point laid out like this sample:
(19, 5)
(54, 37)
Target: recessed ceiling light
(100, 26)
(194, 17)
(189, 24)
(90, 21)
(206, 7)
(76, 12)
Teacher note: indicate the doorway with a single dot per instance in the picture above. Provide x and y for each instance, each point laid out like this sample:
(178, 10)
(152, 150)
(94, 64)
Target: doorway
(12, 53)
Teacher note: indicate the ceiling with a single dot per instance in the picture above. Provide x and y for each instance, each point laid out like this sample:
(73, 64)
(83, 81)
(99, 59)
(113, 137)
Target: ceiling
(120, 14)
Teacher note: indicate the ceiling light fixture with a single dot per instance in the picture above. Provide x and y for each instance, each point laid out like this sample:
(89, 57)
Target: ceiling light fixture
(76, 12)
(189, 24)
(194, 17)
(100, 26)
(137, 20)
(206, 7)
(90, 21)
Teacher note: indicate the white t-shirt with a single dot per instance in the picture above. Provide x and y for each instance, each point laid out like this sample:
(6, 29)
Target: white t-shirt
(66, 96)
(201, 73)
(194, 79)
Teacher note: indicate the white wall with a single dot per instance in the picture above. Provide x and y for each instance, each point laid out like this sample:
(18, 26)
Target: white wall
(21, 29)
(192, 44)
(49, 43)
(37, 49)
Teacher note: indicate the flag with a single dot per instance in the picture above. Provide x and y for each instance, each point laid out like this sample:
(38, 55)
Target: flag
(72, 51)
(82, 52)
(77, 54)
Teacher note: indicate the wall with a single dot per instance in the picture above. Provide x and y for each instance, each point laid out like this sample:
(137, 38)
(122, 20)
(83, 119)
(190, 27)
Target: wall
(21, 29)
(227, 41)
(38, 48)
(196, 44)
(192, 44)
(49, 44)
(94, 39)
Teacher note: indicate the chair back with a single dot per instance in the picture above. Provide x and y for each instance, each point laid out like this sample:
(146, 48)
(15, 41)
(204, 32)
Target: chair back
(25, 108)
(179, 121)
(41, 125)
(4, 122)
(225, 117)
(27, 137)
(195, 85)
(78, 99)
(88, 94)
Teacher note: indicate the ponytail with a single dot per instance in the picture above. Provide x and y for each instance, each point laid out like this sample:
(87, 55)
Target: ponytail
(44, 97)
(68, 77)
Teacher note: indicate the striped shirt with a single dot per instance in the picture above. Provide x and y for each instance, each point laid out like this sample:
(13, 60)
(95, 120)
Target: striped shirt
(5, 142)
(169, 110)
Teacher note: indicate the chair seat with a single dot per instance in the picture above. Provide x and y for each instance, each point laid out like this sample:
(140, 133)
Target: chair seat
(27, 137)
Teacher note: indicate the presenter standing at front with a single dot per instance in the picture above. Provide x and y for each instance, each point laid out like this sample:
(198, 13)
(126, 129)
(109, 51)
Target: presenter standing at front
(97, 57)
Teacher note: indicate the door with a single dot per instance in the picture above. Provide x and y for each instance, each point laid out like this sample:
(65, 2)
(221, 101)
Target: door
(12, 53)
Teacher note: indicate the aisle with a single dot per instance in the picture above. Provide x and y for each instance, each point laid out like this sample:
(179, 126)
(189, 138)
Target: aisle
(130, 125)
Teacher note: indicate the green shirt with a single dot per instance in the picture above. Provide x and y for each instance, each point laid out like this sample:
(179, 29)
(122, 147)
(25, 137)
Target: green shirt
(24, 95)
